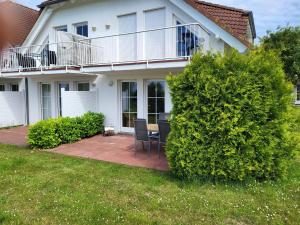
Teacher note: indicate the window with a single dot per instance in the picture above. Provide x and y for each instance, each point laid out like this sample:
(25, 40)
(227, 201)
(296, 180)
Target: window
(187, 41)
(298, 92)
(83, 87)
(2, 87)
(65, 87)
(62, 28)
(82, 29)
(14, 87)
(156, 100)
(129, 104)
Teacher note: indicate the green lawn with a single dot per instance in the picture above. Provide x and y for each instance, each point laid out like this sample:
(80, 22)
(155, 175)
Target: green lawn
(44, 188)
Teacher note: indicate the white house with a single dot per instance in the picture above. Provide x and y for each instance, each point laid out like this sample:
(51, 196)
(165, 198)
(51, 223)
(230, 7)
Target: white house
(112, 56)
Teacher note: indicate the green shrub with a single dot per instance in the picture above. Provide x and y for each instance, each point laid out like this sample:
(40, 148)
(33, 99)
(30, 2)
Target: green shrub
(43, 135)
(91, 124)
(68, 130)
(231, 118)
(53, 132)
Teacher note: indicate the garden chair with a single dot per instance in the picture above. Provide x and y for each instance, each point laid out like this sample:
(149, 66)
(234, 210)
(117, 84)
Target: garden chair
(141, 134)
(164, 130)
(164, 116)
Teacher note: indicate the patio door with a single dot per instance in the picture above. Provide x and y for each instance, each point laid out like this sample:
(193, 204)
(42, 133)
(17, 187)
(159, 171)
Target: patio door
(155, 99)
(46, 101)
(129, 105)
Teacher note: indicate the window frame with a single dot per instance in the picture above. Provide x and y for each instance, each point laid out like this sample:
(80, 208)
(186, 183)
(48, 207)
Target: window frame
(81, 24)
(78, 83)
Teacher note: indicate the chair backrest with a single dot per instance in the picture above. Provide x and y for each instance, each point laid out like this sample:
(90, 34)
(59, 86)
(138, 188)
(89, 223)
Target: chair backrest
(140, 129)
(164, 116)
(164, 130)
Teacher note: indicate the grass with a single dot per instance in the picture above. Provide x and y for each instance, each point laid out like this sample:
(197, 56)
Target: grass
(43, 188)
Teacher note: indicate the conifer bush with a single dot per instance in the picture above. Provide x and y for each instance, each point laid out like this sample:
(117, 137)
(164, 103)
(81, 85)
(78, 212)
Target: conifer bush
(231, 118)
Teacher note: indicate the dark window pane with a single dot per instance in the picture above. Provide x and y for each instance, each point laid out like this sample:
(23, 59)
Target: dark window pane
(2, 87)
(125, 89)
(83, 87)
(152, 89)
(133, 104)
(151, 105)
(161, 89)
(125, 104)
(125, 119)
(133, 116)
(14, 87)
(85, 31)
(298, 92)
(160, 105)
(152, 118)
(133, 89)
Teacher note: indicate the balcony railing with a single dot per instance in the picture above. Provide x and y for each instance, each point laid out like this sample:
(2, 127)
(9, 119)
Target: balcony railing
(176, 42)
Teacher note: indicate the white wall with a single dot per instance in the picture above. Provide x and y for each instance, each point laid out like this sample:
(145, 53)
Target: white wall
(77, 103)
(12, 108)
(99, 14)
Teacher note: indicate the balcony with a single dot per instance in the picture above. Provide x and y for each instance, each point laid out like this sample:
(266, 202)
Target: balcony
(171, 44)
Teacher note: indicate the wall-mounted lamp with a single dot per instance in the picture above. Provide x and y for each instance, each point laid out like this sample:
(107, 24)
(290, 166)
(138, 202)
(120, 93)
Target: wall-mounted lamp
(111, 83)
(107, 26)
(94, 29)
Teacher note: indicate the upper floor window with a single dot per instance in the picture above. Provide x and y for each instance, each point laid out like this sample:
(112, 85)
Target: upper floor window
(82, 29)
(62, 28)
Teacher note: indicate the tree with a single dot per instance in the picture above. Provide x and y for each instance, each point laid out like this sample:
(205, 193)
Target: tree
(286, 41)
(231, 117)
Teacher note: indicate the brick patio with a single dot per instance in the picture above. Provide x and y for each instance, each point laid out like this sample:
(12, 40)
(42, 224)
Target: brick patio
(116, 149)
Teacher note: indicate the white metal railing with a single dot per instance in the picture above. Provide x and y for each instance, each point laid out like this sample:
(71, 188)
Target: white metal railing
(175, 42)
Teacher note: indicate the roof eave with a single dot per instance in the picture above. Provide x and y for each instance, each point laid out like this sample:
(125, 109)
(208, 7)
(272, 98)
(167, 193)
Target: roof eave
(51, 2)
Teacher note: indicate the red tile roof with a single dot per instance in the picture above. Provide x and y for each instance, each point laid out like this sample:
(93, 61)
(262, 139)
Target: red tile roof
(233, 20)
(19, 20)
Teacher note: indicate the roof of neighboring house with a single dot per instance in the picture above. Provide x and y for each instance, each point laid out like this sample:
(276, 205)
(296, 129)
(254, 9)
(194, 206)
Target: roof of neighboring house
(19, 20)
(233, 20)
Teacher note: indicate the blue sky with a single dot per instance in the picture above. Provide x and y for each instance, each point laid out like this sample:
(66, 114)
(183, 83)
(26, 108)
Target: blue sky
(268, 14)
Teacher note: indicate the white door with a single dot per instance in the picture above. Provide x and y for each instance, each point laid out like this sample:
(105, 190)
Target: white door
(127, 42)
(155, 40)
(129, 105)
(46, 101)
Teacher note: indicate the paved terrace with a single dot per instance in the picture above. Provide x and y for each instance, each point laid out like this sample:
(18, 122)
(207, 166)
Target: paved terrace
(116, 149)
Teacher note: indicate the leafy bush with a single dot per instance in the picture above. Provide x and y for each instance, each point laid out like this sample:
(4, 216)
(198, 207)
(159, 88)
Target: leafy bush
(44, 135)
(68, 130)
(91, 124)
(231, 118)
(53, 132)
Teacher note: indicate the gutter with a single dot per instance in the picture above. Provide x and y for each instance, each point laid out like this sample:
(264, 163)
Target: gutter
(50, 2)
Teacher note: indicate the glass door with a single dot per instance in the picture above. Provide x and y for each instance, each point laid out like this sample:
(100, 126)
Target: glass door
(129, 105)
(65, 87)
(46, 101)
(155, 99)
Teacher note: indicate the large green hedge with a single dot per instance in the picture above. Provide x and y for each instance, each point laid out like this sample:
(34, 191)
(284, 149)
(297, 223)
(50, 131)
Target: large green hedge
(231, 118)
(53, 132)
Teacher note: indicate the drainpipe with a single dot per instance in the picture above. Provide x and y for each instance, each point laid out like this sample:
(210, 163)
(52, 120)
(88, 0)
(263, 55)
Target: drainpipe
(27, 101)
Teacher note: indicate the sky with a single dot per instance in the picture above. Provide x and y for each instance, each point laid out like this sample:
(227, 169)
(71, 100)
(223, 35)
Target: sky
(268, 14)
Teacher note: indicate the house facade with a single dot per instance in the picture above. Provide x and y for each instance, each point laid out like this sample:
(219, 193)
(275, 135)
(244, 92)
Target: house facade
(113, 56)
